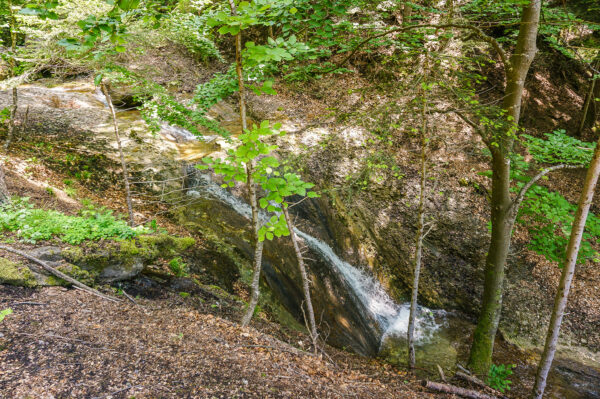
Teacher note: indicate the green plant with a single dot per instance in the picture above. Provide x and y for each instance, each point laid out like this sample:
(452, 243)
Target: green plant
(191, 31)
(178, 267)
(32, 224)
(4, 313)
(498, 376)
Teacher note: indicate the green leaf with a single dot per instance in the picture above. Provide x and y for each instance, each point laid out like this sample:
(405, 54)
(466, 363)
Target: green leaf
(4, 313)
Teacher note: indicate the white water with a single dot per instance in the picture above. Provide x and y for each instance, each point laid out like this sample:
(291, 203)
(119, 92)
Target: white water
(391, 317)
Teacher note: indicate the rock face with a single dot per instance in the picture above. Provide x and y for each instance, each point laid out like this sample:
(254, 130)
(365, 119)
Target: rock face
(335, 307)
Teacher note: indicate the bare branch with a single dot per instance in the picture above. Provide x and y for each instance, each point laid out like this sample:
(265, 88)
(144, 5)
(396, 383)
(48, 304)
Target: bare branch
(480, 33)
(514, 207)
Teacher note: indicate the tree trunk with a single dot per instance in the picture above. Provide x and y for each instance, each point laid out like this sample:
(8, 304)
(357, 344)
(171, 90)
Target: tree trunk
(12, 64)
(501, 216)
(560, 301)
(121, 155)
(305, 282)
(589, 113)
(419, 244)
(406, 13)
(4, 194)
(258, 245)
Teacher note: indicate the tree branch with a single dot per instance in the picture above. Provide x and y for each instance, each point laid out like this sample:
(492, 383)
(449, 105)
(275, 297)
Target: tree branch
(488, 39)
(514, 207)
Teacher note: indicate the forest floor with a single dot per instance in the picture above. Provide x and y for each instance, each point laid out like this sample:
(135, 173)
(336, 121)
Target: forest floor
(62, 343)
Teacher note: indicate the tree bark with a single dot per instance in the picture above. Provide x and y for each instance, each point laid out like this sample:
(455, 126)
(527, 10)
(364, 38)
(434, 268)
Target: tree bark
(560, 301)
(4, 194)
(121, 155)
(305, 281)
(589, 113)
(501, 216)
(12, 64)
(451, 389)
(419, 243)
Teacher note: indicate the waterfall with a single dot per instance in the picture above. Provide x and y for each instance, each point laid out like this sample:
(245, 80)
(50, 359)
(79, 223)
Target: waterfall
(392, 318)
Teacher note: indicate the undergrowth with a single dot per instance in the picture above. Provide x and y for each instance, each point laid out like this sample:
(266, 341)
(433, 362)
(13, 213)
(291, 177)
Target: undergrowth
(33, 224)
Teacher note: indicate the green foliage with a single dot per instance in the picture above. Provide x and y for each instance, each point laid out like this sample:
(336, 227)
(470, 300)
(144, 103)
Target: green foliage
(191, 31)
(221, 86)
(251, 147)
(159, 106)
(178, 267)
(4, 313)
(549, 217)
(4, 115)
(498, 376)
(278, 187)
(34, 225)
(560, 149)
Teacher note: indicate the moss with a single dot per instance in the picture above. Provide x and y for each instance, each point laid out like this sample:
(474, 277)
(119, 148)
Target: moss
(78, 274)
(16, 274)
(93, 258)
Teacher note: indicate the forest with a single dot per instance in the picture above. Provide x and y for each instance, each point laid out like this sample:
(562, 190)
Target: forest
(299, 199)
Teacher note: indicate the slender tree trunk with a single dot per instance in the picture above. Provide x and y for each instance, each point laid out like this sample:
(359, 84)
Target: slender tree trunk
(121, 155)
(419, 243)
(588, 118)
(4, 194)
(258, 245)
(560, 301)
(406, 13)
(12, 64)
(501, 215)
(305, 281)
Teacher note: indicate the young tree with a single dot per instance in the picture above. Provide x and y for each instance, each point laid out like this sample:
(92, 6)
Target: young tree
(560, 301)
(4, 193)
(419, 236)
(11, 9)
(279, 188)
(111, 107)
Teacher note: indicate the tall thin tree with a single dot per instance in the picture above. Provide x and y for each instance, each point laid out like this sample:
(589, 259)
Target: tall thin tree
(109, 102)
(419, 238)
(250, 183)
(12, 66)
(562, 295)
(503, 208)
(305, 281)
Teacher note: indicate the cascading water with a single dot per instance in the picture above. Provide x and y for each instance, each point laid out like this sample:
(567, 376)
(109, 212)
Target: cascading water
(392, 318)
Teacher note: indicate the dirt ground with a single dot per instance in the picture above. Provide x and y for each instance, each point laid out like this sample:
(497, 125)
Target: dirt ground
(62, 343)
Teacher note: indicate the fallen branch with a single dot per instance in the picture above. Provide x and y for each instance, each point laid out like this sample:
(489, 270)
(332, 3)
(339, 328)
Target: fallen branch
(28, 303)
(59, 274)
(476, 381)
(465, 393)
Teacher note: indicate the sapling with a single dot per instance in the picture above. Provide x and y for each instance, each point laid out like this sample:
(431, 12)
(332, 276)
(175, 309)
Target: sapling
(104, 89)
(245, 164)
(280, 188)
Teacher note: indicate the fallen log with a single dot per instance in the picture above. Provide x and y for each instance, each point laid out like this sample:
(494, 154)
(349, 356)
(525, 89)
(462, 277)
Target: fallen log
(465, 393)
(59, 274)
(478, 382)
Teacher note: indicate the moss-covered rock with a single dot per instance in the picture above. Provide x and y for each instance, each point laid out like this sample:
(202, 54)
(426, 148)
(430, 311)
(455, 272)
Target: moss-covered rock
(16, 274)
(120, 260)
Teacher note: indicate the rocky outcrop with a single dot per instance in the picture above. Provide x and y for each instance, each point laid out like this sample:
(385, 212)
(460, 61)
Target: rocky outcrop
(94, 263)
